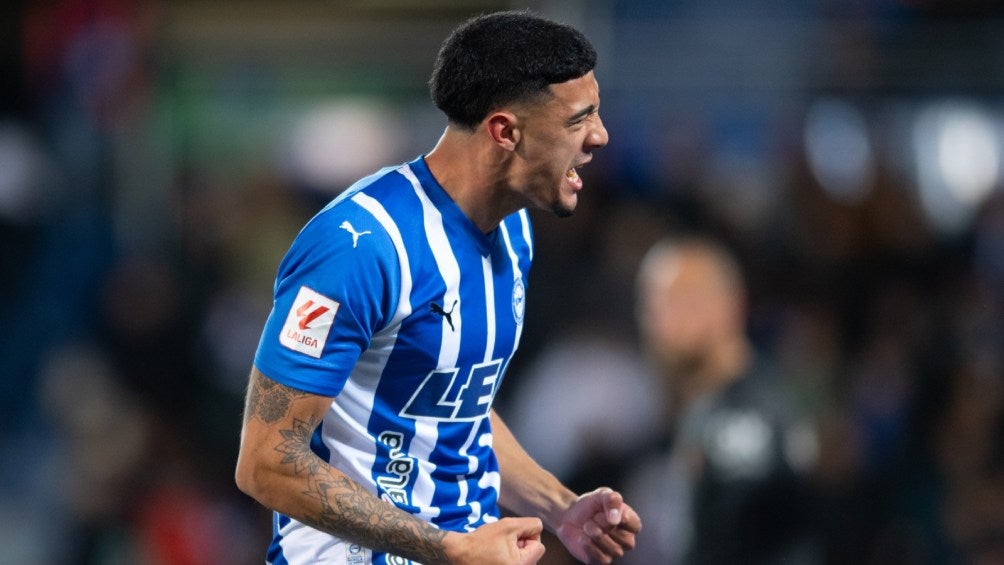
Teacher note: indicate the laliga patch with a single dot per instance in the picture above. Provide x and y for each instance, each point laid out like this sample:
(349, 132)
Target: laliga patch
(308, 323)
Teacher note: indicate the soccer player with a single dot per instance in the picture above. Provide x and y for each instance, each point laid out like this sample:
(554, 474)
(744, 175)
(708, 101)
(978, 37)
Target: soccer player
(368, 424)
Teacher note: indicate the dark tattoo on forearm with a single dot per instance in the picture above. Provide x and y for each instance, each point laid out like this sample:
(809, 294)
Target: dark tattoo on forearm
(343, 507)
(268, 400)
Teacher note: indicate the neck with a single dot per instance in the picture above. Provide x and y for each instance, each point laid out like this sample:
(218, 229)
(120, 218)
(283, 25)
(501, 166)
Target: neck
(475, 175)
(710, 374)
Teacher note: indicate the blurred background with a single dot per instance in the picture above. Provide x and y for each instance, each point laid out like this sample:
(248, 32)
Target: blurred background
(157, 158)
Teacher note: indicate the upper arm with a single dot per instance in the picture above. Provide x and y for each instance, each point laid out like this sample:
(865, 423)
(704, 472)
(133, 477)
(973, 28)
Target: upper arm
(279, 422)
(330, 298)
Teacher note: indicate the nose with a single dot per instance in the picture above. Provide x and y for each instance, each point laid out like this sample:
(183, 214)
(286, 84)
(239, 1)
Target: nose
(598, 137)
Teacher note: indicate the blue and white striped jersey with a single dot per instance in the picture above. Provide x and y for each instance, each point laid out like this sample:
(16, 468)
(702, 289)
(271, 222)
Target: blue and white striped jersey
(394, 303)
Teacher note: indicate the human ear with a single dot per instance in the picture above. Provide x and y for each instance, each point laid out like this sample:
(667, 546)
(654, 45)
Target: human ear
(503, 127)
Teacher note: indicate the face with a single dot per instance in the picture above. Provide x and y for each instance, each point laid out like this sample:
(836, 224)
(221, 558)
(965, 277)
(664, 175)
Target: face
(558, 136)
(684, 308)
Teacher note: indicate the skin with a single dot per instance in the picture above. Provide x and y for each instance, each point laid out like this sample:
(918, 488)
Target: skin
(691, 316)
(517, 157)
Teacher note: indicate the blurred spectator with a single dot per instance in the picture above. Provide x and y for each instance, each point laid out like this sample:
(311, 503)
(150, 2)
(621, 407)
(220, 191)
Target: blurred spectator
(591, 392)
(587, 386)
(607, 405)
(729, 482)
(134, 488)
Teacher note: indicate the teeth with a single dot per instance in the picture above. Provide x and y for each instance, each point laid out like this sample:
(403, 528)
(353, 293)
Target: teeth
(571, 174)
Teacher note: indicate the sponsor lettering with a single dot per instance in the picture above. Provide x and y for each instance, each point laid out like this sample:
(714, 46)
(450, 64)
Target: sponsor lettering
(446, 396)
(399, 469)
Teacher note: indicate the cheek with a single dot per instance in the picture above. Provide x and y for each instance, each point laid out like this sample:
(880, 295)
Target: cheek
(677, 327)
(556, 149)
(541, 164)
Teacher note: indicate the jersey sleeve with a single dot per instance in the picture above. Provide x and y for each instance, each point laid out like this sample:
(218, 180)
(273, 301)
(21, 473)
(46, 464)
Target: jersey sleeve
(337, 286)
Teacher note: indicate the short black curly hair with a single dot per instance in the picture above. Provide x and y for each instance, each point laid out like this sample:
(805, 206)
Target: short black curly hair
(504, 57)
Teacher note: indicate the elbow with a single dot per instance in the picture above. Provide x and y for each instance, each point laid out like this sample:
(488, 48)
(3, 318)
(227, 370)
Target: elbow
(248, 477)
(262, 482)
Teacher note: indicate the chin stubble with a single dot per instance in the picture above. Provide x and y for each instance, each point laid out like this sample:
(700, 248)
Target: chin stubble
(561, 211)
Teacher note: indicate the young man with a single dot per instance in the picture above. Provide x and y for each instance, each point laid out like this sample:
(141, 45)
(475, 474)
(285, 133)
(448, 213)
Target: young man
(368, 426)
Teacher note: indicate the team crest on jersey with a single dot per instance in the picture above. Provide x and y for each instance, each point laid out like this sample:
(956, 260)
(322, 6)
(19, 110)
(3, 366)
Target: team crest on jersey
(518, 300)
(308, 322)
(356, 554)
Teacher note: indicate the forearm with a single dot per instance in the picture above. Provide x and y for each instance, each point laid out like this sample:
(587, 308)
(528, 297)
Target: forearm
(309, 490)
(527, 488)
(277, 467)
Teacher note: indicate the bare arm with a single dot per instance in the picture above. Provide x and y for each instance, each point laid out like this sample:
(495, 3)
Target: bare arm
(596, 527)
(276, 467)
(527, 488)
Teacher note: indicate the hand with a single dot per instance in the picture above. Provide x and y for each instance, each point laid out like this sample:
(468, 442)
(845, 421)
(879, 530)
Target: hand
(599, 527)
(508, 541)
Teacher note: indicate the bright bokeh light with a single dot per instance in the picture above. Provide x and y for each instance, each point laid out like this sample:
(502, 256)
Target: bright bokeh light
(838, 150)
(968, 155)
(957, 149)
(336, 142)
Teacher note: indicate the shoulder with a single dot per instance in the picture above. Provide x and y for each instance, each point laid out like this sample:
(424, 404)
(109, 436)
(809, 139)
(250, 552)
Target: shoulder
(360, 211)
(353, 237)
(760, 389)
(750, 432)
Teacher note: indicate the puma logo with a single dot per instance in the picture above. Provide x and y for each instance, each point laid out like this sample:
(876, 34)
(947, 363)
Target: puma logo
(436, 308)
(355, 234)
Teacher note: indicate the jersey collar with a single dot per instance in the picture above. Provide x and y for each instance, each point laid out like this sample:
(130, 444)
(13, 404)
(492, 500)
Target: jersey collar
(452, 214)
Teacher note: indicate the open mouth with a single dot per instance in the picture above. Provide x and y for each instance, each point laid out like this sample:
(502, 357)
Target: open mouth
(572, 176)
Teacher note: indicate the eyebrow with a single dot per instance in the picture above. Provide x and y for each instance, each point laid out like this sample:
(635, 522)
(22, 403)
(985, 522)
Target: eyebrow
(582, 113)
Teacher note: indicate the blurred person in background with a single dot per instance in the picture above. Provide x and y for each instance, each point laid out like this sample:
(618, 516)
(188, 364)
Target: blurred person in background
(587, 399)
(589, 387)
(727, 483)
(115, 507)
(368, 426)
